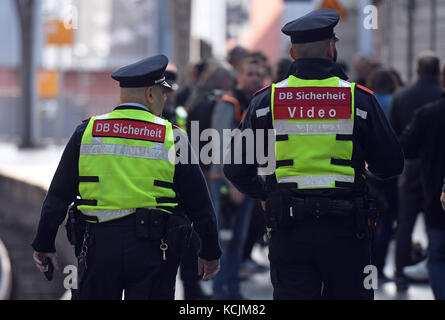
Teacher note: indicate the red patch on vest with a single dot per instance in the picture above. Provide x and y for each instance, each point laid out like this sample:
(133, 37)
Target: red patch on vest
(129, 129)
(312, 103)
(365, 89)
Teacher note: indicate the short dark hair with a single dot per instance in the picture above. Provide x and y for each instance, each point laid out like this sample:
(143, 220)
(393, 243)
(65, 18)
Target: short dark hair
(428, 65)
(237, 52)
(252, 58)
(382, 81)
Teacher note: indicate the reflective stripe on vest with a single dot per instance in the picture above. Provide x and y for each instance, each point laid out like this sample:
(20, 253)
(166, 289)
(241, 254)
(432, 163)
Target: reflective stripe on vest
(132, 162)
(156, 152)
(316, 181)
(313, 151)
(108, 215)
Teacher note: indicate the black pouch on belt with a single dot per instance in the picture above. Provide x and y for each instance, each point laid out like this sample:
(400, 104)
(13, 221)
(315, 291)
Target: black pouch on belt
(75, 225)
(179, 232)
(277, 208)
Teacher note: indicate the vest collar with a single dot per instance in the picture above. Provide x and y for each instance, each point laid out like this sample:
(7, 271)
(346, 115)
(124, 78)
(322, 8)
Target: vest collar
(132, 105)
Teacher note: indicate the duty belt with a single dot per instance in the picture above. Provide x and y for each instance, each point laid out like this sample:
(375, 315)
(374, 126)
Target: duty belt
(300, 208)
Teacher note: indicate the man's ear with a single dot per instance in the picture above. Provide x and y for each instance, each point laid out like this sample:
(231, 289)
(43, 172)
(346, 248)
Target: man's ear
(291, 52)
(148, 94)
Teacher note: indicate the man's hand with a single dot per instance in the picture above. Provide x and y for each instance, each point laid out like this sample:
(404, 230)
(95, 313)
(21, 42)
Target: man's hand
(263, 205)
(208, 269)
(41, 259)
(442, 200)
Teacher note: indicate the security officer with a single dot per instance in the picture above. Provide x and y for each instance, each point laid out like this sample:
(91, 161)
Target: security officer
(326, 130)
(119, 169)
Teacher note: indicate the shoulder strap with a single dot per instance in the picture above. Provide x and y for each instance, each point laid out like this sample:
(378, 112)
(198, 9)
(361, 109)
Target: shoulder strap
(365, 89)
(261, 90)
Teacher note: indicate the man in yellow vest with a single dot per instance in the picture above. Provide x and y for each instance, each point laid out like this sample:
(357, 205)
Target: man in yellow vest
(325, 131)
(119, 169)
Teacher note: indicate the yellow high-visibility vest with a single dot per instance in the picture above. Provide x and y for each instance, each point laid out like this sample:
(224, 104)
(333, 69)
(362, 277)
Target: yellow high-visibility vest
(126, 162)
(313, 142)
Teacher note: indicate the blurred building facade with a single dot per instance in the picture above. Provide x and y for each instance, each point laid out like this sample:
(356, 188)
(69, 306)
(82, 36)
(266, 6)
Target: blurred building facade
(112, 33)
(107, 35)
(406, 28)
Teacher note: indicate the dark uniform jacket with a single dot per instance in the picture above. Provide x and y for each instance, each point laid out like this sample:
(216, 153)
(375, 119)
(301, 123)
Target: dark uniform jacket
(189, 185)
(374, 139)
(424, 139)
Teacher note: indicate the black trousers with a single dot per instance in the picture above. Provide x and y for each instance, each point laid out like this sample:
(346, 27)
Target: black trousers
(189, 261)
(410, 204)
(319, 259)
(118, 261)
(388, 193)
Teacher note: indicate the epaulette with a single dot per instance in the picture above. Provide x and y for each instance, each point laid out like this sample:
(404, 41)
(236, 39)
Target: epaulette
(177, 127)
(85, 120)
(365, 89)
(261, 90)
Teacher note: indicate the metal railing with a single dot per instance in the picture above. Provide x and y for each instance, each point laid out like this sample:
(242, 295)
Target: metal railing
(5, 273)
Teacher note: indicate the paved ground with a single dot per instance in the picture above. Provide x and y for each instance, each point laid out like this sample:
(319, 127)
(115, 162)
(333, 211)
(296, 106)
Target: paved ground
(27, 282)
(38, 166)
(258, 286)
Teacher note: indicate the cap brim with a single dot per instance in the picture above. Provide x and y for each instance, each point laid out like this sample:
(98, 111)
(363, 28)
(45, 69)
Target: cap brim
(172, 84)
(166, 85)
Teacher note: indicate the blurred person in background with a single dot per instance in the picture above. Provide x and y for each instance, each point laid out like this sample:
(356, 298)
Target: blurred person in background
(235, 57)
(362, 66)
(267, 80)
(398, 77)
(281, 69)
(233, 208)
(204, 85)
(384, 84)
(192, 74)
(220, 80)
(404, 104)
(423, 140)
(177, 115)
(257, 226)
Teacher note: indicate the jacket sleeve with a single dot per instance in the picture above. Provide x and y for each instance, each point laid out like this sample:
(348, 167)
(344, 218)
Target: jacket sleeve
(383, 152)
(245, 176)
(191, 188)
(394, 117)
(61, 193)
